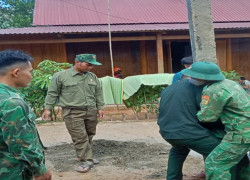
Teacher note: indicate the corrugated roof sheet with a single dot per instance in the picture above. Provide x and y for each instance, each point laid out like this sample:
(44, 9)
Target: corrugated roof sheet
(90, 12)
(115, 28)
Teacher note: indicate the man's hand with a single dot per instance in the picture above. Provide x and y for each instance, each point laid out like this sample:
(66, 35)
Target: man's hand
(46, 115)
(101, 113)
(46, 176)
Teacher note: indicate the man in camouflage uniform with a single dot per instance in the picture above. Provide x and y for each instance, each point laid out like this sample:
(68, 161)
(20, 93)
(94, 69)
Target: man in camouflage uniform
(79, 93)
(227, 100)
(181, 128)
(21, 151)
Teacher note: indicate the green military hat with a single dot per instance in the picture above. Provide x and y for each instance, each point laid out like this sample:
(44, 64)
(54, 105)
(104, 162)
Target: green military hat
(204, 70)
(89, 58)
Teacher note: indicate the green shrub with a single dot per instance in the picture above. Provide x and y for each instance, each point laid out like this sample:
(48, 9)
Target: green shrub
(145, 98)
(233, 75)
(36, 92)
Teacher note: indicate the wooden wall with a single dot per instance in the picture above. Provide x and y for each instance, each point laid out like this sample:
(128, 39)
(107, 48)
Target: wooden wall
(151, 56)
(221, 53)
(237, 49)
(40, 52)
(241, 56)
(126, 55)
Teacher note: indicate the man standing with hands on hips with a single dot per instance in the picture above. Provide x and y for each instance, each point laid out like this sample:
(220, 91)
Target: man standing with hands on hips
(79, 93)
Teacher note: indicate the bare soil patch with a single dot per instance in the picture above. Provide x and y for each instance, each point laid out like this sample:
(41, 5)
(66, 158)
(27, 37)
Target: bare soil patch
(126, 150)
(118, 160)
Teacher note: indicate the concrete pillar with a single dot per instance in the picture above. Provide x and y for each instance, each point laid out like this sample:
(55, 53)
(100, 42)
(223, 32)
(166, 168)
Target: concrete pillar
(201, 30)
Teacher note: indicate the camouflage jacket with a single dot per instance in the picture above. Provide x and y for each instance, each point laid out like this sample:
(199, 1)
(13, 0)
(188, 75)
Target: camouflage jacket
(228, 101)
(21, 150)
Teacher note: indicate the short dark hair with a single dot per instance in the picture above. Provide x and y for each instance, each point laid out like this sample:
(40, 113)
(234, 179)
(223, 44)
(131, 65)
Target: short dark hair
(242, 78)
(187, 60)
(11, 57)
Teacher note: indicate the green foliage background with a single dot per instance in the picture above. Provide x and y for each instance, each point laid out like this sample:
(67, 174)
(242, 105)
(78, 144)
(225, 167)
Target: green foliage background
(233, 75)
(16, 13)
(145, 98)
(36, 92)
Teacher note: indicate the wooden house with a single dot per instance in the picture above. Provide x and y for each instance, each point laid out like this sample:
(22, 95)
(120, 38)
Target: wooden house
(148, 36)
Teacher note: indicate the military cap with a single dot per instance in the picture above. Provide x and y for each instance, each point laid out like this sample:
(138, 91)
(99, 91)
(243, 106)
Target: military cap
(187, 60)
(204, 70)
(89, 58)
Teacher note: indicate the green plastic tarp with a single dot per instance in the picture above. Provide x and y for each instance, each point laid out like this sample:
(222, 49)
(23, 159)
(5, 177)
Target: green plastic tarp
(133, 83)
(115, 90)
(112, 90)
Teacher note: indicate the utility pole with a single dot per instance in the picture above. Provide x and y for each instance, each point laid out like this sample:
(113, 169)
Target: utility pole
(201, 30)
(110, 41)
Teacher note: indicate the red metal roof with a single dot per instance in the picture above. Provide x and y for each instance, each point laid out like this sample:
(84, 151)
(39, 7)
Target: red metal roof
(90, 12)
(115, 28)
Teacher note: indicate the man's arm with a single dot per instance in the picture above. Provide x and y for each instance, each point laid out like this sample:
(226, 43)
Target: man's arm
(21, 137)
(99, 96)
(246, 84)
(53, 92)
(51, 97)
(212, 104)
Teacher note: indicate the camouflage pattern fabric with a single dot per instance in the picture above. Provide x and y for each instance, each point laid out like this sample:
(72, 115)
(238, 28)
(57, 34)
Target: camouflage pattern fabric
(21, 151)
(228, 101)
(223, 158)
(89, 58)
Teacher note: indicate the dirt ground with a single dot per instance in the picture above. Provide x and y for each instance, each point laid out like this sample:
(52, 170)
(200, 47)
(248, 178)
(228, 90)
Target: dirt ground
(127, 150)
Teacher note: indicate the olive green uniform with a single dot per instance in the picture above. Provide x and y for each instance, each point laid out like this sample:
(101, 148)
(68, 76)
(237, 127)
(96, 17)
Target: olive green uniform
(80, 96)
(229, 102)
(21, 151)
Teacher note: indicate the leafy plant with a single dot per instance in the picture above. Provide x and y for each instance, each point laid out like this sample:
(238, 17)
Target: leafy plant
(36, 92)
(16, 13)
(145, 98)
(233, 75)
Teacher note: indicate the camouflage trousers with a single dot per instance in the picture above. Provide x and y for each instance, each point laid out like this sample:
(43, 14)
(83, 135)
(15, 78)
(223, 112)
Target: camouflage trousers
(15, 173)
(224, 157)
(81, 125)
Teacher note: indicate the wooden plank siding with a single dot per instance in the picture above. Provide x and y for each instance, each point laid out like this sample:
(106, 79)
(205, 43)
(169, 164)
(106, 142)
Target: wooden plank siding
(126, 55)
(229, 55)
(136, 57)
(160, 63)
(40, 52)
(241, 56)
(221, 53)
(143, 58)
(151, 57)
(168, 63)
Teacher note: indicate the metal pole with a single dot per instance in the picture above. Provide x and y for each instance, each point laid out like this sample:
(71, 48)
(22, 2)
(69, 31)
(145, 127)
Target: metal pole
(110, 41)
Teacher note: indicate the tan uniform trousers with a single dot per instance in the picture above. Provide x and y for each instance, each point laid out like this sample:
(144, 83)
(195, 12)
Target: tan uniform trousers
(81, 124)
